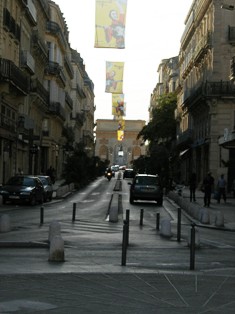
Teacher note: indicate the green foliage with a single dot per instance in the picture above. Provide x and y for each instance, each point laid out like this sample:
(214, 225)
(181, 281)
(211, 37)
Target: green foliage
(162, 124)
(160, 133)
(81, 169)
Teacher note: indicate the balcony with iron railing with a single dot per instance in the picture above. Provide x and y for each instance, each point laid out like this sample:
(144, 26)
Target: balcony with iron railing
(194, 56)
(53, 68)
(37, 88)
(185, 139)
(54, 28)
(9, 72)
(56, 108)
(202, 46)
(208, 90)
(7, 123)
(38, 43)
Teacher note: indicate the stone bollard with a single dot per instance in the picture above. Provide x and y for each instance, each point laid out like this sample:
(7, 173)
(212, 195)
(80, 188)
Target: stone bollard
(166, 228)
(204, 216)
(219, 219)
(5, 225)
(197, 238)
(54, 230)
(56, 252)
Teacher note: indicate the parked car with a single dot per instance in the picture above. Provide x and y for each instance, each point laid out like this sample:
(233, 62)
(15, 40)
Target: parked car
(48, 187)
(128, 173)
(146, 187)
(23, 188)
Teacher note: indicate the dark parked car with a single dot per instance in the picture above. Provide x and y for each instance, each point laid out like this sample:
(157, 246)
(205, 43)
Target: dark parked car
(23, 188)
(128, 174)
(146, 187)
(48, 187)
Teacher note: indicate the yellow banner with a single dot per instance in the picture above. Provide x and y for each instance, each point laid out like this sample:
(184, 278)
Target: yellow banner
(110, 20)
(114, 77)
(121, 124)
(120, 135)
(118, 105)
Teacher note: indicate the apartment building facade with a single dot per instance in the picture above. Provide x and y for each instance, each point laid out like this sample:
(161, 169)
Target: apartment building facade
(206, 93)
(38, 98)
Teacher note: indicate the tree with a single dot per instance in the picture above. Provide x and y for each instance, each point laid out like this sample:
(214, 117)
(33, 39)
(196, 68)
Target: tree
(160, 133)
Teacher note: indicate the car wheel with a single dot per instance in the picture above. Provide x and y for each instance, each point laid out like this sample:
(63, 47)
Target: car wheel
(159, 202)
(3, 201)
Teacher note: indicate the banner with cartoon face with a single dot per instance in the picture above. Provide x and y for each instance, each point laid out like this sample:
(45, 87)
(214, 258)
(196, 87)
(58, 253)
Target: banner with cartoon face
(110, 20)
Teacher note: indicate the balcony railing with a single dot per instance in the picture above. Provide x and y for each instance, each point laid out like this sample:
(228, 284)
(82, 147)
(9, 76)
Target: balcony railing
(185, 138)
(57, 109)
(7, 123)
(55, 29)
(52, 68)
(39, 44)
(38, 88)
(208, 90)
(10, 72)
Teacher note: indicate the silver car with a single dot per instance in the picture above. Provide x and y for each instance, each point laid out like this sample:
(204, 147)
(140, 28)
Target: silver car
(146, 187)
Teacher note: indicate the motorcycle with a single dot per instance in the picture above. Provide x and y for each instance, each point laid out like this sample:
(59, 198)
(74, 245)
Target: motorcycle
(109, 175)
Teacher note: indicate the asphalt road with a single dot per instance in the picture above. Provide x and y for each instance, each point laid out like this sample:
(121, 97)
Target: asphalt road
(157, 276)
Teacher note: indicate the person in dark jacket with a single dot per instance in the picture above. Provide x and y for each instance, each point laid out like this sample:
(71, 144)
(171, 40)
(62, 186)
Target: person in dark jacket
(192, 187)
(208, 186)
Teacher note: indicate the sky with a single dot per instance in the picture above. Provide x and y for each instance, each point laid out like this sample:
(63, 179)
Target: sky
(153, 32)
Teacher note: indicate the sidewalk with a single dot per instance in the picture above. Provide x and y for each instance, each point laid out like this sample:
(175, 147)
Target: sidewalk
(226, 209)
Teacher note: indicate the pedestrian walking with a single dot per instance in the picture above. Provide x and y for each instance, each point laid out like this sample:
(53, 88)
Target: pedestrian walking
(208, 187)
(221, 185)
(192, 187)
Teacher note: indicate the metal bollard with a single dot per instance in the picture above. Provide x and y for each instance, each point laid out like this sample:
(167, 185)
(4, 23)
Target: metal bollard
(128, 224)
(141, 216)
(192, 248)
(74, 211)
(124, 242)
(179, 225)
(41, 215)
(157, 221)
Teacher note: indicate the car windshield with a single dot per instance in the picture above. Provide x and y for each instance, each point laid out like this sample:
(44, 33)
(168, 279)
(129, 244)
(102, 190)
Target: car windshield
(25, 181)
(147, 181)
(44, 180)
